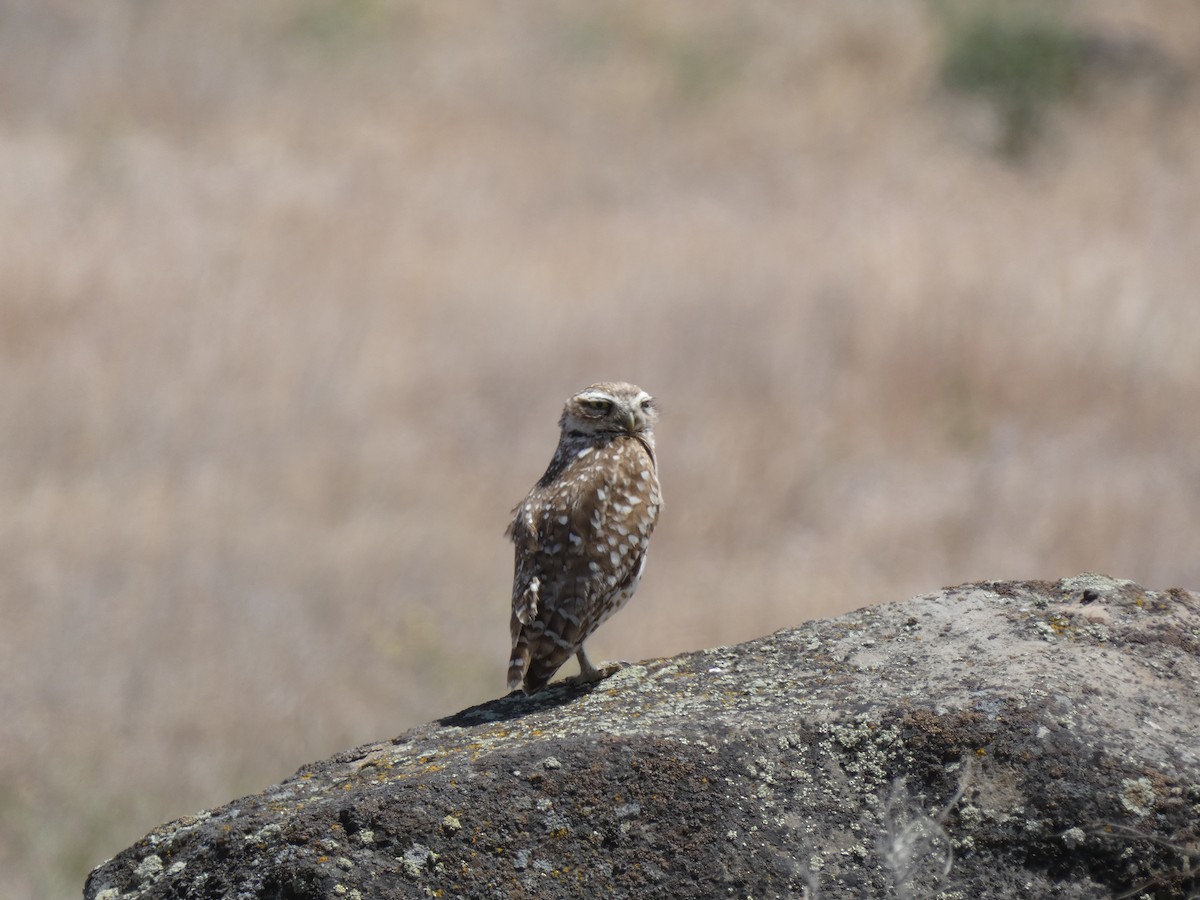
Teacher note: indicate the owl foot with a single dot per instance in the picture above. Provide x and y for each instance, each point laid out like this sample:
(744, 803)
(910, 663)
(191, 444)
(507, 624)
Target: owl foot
(588, 673)
(596, 673)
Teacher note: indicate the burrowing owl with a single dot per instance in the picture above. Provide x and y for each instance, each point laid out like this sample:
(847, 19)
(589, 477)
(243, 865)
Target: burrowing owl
(582, 532)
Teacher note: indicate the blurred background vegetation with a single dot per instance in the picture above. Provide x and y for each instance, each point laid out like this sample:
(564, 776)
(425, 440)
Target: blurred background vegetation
(292, 292)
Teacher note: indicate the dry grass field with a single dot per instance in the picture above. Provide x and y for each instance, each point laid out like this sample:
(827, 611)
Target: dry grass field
(291, 294)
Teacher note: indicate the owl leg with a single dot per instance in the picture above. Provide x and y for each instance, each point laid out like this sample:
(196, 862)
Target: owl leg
(587, 671)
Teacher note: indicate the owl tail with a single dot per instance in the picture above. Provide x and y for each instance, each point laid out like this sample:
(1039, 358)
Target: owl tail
(539, 673)
(518, 663)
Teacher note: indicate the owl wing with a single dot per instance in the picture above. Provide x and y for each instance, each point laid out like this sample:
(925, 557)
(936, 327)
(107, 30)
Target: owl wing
(526, 583)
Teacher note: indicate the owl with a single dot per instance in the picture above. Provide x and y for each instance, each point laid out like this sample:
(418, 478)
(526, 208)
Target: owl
(581, 534)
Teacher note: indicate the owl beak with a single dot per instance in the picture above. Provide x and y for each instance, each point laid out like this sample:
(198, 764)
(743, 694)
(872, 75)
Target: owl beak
(631, 421)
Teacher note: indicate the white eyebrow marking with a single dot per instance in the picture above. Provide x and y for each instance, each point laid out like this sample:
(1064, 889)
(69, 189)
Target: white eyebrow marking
(594, 395)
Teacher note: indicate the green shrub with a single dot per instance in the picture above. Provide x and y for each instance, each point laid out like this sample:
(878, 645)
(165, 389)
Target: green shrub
(1018, 58)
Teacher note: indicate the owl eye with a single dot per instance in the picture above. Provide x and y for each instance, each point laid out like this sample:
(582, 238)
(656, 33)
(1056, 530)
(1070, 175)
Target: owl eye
(600, 407)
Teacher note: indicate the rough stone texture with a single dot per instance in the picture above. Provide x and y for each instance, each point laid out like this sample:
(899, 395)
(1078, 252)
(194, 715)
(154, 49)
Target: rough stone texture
(1008, 739)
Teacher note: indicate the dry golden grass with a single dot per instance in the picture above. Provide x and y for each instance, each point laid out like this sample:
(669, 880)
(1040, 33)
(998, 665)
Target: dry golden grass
(292, 293)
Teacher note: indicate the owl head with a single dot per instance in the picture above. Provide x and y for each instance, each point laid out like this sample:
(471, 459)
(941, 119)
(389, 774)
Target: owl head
(609, 408)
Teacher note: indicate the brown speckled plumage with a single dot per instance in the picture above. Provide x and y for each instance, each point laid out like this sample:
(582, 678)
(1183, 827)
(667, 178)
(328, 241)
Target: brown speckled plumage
(581, 533)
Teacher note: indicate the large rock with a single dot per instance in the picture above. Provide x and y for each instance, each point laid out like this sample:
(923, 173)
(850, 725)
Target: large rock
(1007, 739)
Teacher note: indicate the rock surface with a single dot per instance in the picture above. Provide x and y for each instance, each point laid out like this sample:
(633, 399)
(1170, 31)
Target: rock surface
(1005, 739)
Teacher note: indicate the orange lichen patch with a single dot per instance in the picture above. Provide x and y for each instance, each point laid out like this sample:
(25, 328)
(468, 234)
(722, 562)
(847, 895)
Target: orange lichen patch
(1061, 624)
